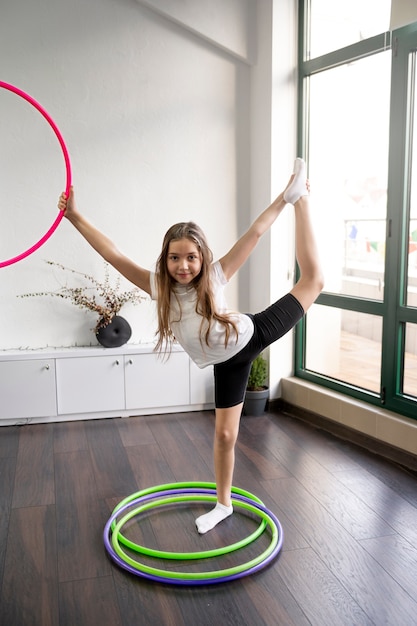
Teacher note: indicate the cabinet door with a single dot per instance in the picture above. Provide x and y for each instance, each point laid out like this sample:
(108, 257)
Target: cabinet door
(201, 384)
(27, 388)
(154, 382)
(90, 384)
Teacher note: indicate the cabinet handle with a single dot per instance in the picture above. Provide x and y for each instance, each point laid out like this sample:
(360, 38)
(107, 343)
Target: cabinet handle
(47, 366)
(117, 362)
(130, 362)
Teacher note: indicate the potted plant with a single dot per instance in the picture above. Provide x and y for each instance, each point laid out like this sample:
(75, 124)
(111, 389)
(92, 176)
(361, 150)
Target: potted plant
(102, 298)
(257, 391)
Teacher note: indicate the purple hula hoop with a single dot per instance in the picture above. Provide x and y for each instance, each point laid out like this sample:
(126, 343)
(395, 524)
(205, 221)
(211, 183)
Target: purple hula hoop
(60, 138)
(179, 581)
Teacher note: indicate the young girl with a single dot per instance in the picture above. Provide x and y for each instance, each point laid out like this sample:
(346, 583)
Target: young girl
(188, 289)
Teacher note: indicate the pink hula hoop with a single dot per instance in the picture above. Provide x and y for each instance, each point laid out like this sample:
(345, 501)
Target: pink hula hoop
(56, 130)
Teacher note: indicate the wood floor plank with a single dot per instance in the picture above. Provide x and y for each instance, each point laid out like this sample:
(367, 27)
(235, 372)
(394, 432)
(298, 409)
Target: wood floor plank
(293, 538)
(219, 604)
(91, 601)
(267, 430)
(321, 596)
(398, 478)
(34, 483)
(247, 477)
(149, 466)
(9, 441)
(29, 594)
(273, 601)
(198, 424)
(319, 444)
(7, 476)
(259, 461)
(80, 519)
(145, 602)
(205, 451)
(397, 557)
(360, 520)
(397, 512)
(135, 431)
(181, 454)
(376, 592)
(69, 437)
(114, 477)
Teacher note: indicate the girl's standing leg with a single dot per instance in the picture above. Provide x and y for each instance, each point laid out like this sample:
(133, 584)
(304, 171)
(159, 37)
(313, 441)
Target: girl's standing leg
(225, 436)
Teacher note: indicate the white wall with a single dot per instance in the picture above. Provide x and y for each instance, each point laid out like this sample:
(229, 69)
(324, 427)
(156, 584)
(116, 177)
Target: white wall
(273, 144)
(228, 24)
(149, 114)
(168, 113)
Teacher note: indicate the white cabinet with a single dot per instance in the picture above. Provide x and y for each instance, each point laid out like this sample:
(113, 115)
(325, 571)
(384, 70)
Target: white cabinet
(157, 382)
(27, 389)
(90, 384)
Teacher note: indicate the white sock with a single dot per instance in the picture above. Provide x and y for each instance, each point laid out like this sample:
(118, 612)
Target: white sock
(297, 187)
(209, 520)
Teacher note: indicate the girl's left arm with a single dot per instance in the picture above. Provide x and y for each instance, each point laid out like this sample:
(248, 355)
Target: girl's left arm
(238, 254)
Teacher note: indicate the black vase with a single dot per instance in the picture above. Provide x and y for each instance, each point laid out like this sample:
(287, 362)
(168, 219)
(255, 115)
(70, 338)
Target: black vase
(115, 334)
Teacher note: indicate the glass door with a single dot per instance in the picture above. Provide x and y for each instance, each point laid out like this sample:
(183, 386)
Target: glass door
(358, 131)
(348, 166)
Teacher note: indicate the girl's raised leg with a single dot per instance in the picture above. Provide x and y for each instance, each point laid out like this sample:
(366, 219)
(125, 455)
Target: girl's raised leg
(310, 283)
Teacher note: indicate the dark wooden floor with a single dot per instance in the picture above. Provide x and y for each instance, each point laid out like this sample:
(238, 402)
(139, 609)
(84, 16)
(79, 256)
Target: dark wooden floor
(349, 518)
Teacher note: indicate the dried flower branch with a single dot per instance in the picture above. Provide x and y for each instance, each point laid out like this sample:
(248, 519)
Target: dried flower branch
(112, 299)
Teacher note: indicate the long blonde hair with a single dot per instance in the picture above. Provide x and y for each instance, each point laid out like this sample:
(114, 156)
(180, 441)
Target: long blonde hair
(202, 283)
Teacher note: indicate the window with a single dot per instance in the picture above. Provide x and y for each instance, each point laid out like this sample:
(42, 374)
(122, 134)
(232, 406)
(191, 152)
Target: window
(348, 164)
(334, 25)
(410, 361)
(358, 132)
(411, 248)
(339, 342)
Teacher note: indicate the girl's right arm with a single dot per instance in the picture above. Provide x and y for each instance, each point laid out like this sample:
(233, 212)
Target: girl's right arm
(103, 245)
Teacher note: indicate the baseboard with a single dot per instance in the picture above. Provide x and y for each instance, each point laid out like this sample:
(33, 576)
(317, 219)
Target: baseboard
(401, 457)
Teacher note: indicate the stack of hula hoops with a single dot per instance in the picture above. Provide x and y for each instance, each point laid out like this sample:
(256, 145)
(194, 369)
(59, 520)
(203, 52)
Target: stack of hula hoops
(171, 494)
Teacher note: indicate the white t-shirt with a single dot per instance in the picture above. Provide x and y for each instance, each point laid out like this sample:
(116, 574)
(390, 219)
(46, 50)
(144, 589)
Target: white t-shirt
(185, 322)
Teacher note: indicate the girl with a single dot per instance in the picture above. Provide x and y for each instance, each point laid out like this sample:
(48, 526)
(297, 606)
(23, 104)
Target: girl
(188, 289)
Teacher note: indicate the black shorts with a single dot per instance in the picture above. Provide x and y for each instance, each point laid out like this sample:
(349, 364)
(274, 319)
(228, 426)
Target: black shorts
(231, 377)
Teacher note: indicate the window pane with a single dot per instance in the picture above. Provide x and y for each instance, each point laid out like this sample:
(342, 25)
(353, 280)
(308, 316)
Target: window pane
(348, 169)
(334, 25)
(412, 230)
(344, 345)
(410, 360)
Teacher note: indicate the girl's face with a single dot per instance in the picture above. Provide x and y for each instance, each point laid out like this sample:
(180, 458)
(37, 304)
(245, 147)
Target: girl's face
(184, 261)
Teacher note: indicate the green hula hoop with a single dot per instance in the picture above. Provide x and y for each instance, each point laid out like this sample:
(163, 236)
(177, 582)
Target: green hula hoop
(160, 554)
(183, 485)
(190, 576)
(184, 556)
